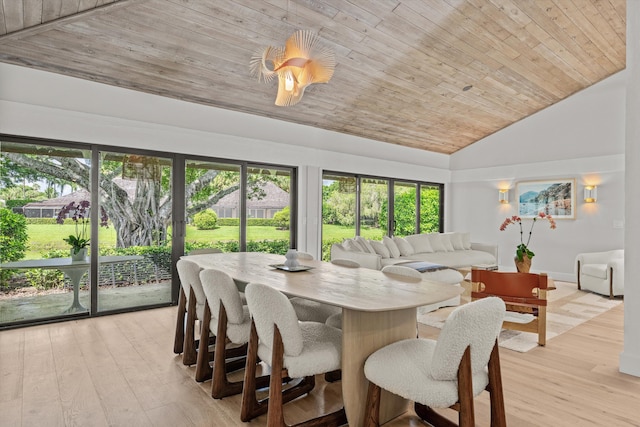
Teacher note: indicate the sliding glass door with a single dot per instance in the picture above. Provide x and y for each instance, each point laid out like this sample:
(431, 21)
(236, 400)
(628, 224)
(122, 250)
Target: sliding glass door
(45, 194)
(134, 266)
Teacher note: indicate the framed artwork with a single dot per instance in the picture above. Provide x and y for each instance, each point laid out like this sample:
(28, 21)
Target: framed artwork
(555, 197)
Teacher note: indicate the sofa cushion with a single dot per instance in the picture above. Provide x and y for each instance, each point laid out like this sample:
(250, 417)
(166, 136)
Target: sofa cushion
(457, 259)
(405, 248)
(420, 243)
(391, 245)
(365, 244)
(380, 249)
(456, 240)
(436, 242)
(595, 270)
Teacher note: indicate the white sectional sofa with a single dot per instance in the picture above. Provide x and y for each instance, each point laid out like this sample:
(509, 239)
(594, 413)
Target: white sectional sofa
(453, 250)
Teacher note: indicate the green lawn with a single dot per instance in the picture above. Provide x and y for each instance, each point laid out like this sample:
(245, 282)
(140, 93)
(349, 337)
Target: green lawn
(46, 237)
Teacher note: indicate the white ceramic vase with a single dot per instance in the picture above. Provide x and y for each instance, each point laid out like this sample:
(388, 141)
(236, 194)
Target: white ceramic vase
(81, 255)
(292, 258)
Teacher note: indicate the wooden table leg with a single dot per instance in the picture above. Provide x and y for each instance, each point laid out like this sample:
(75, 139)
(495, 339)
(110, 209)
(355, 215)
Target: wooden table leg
(364, 332)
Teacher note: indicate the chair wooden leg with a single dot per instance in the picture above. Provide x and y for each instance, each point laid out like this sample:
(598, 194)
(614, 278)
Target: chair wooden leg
(578, 276)
(432, 417)
(178, 341)
(610, 282)
(275, 417)
(189, 356)
(372, 407)
(220, 384)
(203, 369)
(251, 407)
(465, 391)
(333, 376)
(542, 325)
(498, 418)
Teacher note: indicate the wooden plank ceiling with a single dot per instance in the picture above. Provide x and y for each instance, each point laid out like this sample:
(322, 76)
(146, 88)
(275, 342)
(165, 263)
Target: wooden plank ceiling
(403, 65)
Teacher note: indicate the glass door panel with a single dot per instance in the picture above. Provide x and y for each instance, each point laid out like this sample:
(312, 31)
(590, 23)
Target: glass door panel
(338, 210)
(268, 207)
(135, 258)
(404, 208)
(429, 209)
(44, 208)
(212, 202)
(373, 207)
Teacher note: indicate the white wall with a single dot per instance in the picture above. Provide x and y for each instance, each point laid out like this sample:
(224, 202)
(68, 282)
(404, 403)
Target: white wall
(580, 138)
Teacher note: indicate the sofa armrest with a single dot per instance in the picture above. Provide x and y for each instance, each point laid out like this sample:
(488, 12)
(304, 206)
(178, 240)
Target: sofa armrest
(366, 260)
(491, 248)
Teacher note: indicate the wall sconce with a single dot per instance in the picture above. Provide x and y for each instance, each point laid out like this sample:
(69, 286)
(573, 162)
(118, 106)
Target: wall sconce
(503, 195)
(590, 193)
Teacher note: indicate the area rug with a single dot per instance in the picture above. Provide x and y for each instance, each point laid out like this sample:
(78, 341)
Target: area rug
(567, 308)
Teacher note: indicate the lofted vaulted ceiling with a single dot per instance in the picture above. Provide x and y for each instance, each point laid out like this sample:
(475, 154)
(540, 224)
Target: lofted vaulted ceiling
(436, 75)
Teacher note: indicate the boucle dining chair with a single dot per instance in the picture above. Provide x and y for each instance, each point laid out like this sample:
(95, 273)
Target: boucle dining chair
(345, 262)
(402, 271)
(293, 349)
(312, 311)
(447, 373)
(191, 303)
(204, 251)
(229, 320)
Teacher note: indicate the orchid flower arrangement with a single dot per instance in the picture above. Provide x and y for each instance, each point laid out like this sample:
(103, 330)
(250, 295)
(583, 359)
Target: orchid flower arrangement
(80, 217)
(523, 248)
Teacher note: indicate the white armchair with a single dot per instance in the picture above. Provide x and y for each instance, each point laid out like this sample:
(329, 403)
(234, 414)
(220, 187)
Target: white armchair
(601, 272)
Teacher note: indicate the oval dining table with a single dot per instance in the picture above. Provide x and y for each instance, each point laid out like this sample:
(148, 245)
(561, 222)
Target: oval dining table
(377, 309)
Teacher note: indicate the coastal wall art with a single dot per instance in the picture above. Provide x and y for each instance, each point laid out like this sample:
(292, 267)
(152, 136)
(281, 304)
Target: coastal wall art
(553, 197)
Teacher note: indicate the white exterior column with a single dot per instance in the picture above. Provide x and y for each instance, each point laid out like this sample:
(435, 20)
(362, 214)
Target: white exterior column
(630, 356)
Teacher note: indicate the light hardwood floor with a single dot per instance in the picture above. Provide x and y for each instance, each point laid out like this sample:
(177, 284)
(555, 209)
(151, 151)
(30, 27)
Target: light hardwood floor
(120, 371)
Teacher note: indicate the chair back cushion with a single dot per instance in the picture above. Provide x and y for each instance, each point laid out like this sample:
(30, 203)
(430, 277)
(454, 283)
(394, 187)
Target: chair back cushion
(402, 271)
(219, 286)
(189, 273)
(477, 325)
(511, 287)
(270, 307)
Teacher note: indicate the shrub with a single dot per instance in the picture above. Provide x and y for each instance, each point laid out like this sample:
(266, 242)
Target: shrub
(13, 239)
(13, 236)
(205, 220)
(281, 218)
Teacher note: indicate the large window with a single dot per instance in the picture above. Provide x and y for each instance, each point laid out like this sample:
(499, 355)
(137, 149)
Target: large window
(134, 212)
(383, 206)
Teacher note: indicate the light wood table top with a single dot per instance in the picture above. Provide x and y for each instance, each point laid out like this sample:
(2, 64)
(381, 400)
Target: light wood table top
(353, 288)
(377, 309)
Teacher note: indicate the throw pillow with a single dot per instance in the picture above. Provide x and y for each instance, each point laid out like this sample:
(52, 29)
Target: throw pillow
(420, 243)
(391, 245)
(405, 247)
(380, 249)
(466, 240)
(436, 242)
(365, 244)
(446, 242)
(456, 240)
(353, 246)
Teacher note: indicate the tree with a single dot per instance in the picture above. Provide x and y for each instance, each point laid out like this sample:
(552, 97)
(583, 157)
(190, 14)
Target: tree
(141, 220)
(144, 218)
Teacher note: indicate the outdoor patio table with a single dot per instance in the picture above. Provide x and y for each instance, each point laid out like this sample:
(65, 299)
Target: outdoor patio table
(74, 270)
